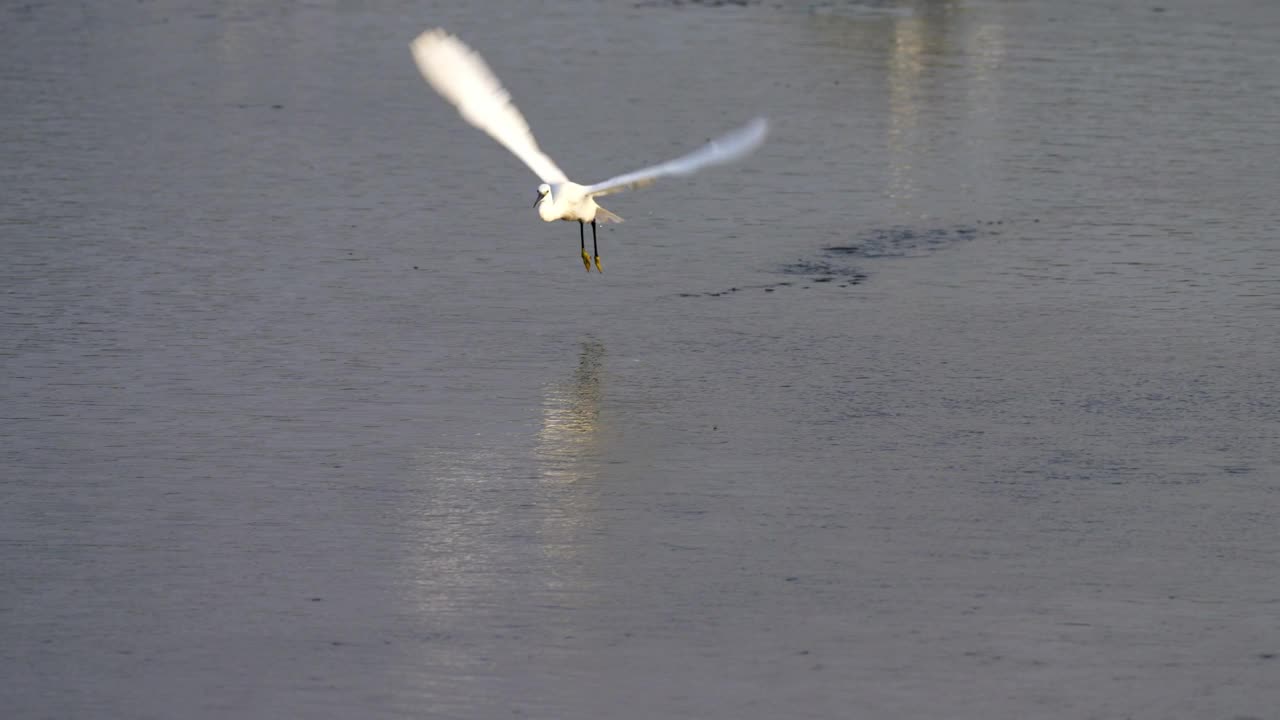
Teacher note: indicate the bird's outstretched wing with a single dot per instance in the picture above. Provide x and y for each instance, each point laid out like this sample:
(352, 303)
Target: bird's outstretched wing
(727, 148)
(460, 75)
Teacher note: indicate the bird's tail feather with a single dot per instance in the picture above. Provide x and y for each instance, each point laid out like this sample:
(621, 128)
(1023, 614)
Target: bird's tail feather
(605, 216)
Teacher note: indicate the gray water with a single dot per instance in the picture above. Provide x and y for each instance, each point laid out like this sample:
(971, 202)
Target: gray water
(959, 399)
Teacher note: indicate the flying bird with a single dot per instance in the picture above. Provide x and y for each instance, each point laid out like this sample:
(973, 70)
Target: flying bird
(463, 78)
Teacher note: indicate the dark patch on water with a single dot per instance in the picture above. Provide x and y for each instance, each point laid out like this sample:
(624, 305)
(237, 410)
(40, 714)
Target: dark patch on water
(846, 8)
(730, 291)
(767, 287)
(902, 241)
(825, 271)
(696, 3)
(835, 266)
(838, 277)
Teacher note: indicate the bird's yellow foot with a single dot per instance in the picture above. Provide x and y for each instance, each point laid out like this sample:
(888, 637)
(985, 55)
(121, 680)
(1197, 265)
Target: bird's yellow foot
(598, 266)
(586, 261)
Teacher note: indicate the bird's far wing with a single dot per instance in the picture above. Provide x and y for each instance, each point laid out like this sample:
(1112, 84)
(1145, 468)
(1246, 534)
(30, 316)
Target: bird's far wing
(460, 75)
(727, 148)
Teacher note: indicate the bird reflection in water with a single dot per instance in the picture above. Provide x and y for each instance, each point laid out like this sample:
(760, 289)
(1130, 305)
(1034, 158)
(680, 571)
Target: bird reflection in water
(487, 519)
(568, 453)
(568, 440)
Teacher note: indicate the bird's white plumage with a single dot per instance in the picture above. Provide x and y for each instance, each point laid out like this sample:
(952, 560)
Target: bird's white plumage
(460, 75)
(727, 148)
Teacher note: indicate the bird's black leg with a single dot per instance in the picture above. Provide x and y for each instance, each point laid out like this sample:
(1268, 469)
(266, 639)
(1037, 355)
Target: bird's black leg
(582, 238)
(595, 247)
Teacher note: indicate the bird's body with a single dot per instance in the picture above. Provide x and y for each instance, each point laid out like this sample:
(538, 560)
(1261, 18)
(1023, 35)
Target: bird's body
(571, 201)
(566, 201)
(460, 75)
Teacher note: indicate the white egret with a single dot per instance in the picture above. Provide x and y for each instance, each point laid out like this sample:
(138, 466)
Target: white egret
(463, 78)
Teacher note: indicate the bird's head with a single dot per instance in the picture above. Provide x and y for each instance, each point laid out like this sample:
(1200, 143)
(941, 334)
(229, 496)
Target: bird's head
(544, 190)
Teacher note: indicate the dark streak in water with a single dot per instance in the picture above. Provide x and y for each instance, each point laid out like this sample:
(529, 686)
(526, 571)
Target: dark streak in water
(902, 241)
(836, 262)
(824, 271)
(695, 3)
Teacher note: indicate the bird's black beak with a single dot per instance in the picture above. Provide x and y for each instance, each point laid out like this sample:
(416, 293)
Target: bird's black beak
(535, 202)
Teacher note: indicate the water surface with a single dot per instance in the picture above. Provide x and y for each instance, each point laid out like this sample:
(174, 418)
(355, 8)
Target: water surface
(958, 399)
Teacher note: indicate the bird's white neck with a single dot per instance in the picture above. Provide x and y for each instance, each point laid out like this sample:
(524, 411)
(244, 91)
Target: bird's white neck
(547, 208)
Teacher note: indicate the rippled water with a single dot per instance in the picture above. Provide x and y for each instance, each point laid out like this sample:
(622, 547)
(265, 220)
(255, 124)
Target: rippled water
(959, 399)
